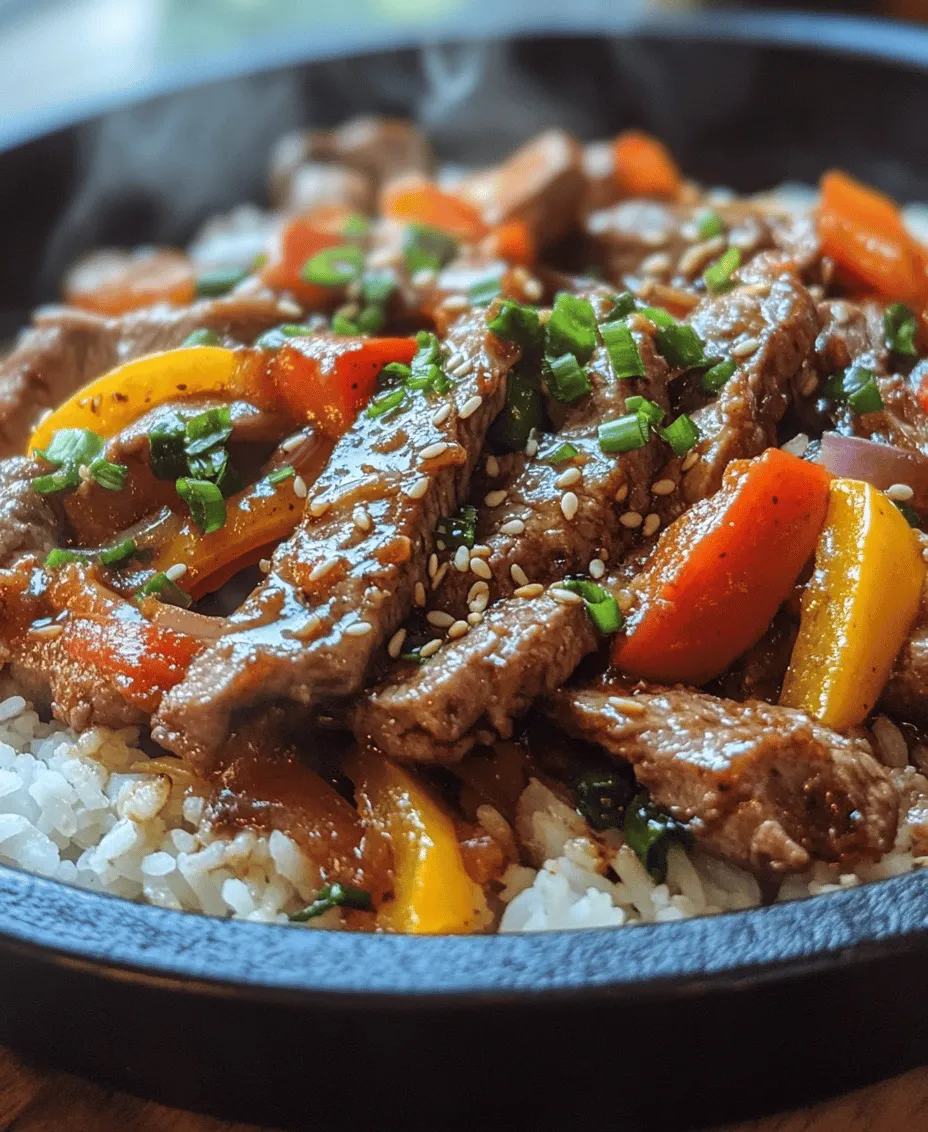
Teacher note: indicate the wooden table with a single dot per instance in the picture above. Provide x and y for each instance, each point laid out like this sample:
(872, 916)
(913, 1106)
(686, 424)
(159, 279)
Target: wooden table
(35, 1101)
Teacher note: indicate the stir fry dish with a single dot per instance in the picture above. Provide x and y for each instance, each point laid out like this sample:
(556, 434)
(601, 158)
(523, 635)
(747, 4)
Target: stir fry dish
(529, 547)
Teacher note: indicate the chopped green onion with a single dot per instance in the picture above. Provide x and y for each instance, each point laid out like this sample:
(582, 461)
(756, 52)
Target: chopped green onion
(681, 434)
(371, 319)
(57, 481)
(717, 275)
(113, 555)
(623, 306)
(523, 411)
(276, 337)
(426, 374)
(393, 374)
(901, 327)
(658, 316)
(602, 607)
(651, 412)
(624, 434)
(426, 248)
(516, 323)
(161, 587)
(220, 282)
(649, 832)
(713, 379)
(208, 429)
(202, 338)
(334, 896)
(858, 388)
(334, 267)
(710, 225)
(206, 502)
(911, 516)
(341, 324)
(622, 350)
(483, 291)
(571, 328)
(260, 260)
(61, 557)
(602, 796)
(457, 530)
(681, 346)
(385, 402)
(112, 477)
(568, 380)
(377, 287)
(73, 446)
(413, 657)
(562, 454)
(285, 472)
(212, 465)
(356, 227)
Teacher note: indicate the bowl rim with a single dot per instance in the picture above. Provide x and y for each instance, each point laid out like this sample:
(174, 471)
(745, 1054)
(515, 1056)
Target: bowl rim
(109, 936)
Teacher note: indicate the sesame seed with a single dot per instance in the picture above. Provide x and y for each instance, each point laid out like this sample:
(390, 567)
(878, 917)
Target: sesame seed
(474, 618)
(480, 602)
(300, 490)
(463, 369)
(359, 629)
(442, 415)
(900, 492)
(433, 450)
(361, 519)
(565, 597)
(292, 442)
(453, 360)
(569, 505)
(689, 460)
(439, 618)
(419, 595)
(746, 348)
(289, 308)
(492, 467)
(481, 550)
(695, 257)
(622, 494)
(470, 406)
(173, 573)
(395, 647)
(495, 498)
(318, 507)
(458, 629)
(84, 472)
(513, 527)
(322, 568)
(658, 264)
(568, 478)
(631, 519)
(597, 568)
(429, 648)
(455, 303)
(519, 576)
(419, 488)
(462, 559)
(265, 565)
(533, 289)
(651, 523)
(476, 589)
(481, 569)
(663, 487)
(440, 574)
(626, 705)
(531, 589)
(433, 565)
(531, 448)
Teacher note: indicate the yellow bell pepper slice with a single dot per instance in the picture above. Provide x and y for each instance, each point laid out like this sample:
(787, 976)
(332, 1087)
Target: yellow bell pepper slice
(858, 608)
(432, 892)
(118, 398)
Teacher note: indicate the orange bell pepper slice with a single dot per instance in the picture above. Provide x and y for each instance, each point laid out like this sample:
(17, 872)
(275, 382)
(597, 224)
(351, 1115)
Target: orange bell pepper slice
(644, 167)
(862, 230)
(326, 381)
(514, 242)
(422, 202)
(300, 240)
(114, 282)
(720, 572)
(432, 892)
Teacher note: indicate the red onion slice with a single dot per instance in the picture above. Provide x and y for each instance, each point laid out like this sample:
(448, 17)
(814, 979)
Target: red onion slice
(882, 465)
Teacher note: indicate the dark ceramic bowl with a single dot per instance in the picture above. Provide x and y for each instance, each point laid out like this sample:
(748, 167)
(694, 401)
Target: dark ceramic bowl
(675, 1025)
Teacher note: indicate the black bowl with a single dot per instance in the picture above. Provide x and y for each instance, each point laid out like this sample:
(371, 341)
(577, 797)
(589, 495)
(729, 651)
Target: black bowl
(674, 1025)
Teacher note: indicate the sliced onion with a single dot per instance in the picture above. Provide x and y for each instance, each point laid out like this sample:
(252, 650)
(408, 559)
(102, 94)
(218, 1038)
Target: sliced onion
(882, 465)
(189, 623)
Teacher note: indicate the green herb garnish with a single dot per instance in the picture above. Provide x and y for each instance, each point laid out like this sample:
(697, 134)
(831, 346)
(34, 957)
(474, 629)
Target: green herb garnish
(681, 346)
(622, 350)
(426, 248)
(161, 587)
(202, 337)
(602, 796)
(206, 502)
(602, 607)
(719, 374)
(566, 380)
(649, 831)
(681, 434)
(717, 275)
(516, 323)
(334, 896)
(483, 291)
(562, 454)
(221, 281)
(571, 328)
(334, 267)
(624, 434)
(279, 475)
(523, 411)
(72, 449)
(857, 388)
(901, 328)
(710, 225)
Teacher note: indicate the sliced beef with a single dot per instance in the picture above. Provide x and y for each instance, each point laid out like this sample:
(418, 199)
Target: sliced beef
(344, 582)
(27, 523)
(768, 326)
(763, 786)
(906, 694)
(67, 347)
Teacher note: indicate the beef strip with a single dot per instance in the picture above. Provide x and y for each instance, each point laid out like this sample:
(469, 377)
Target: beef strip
(906, 693)
(344, 582)
(68, 347)
(408, 714)
(28, 524)
(763, 786)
